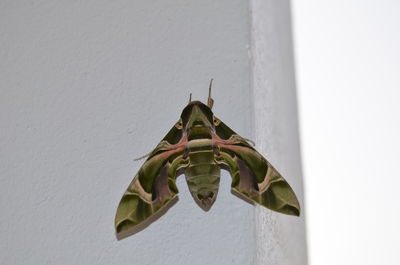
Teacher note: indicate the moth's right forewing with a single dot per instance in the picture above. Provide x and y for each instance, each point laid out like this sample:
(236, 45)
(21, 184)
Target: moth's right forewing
(153, 191)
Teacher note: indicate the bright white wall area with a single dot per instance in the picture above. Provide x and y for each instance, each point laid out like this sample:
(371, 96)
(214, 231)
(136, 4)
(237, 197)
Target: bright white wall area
(348, 62)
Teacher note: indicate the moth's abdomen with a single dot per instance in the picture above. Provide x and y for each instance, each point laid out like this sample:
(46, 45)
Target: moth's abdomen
(202, 176)
(203, 179)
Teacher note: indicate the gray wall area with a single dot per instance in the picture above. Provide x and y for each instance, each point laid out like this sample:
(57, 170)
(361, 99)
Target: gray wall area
(86, 87)
(281, 239)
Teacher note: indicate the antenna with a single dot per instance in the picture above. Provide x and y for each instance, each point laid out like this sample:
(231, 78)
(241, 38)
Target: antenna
(190, 97)
(210, 101)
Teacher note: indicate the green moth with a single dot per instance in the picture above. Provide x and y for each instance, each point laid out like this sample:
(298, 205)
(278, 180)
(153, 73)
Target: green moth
(199, 145)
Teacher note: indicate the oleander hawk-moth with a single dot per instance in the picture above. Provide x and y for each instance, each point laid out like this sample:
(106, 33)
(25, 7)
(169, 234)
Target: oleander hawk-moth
(199, 145)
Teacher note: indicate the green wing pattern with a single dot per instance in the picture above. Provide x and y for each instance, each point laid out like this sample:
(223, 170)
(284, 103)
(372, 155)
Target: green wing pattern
(201, 144)
(253, 177)
(153, 191)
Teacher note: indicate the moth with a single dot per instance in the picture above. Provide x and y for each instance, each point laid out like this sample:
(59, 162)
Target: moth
(199, 145)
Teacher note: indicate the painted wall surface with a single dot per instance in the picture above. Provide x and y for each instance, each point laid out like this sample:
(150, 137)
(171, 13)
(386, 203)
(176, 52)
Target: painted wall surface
(280, 238)
(86, 87)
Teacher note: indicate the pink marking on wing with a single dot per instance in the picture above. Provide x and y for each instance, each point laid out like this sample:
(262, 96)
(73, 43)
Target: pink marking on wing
(172, 149)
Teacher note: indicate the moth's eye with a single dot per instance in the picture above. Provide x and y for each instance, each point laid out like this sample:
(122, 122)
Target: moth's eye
(216, 121)
(179, 125)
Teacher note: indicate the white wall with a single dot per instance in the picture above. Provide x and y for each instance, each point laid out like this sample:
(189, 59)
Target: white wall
(280, 238)
(88, 86)
(348, 62)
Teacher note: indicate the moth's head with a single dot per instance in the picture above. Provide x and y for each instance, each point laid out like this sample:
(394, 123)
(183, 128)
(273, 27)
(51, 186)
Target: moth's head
(197, 120)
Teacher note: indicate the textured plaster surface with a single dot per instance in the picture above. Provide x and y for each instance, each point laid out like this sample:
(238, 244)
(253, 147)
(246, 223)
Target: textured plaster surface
(280, 238)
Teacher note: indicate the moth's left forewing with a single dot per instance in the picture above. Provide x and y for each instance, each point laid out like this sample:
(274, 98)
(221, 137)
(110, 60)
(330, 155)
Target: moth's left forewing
(253, 177)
